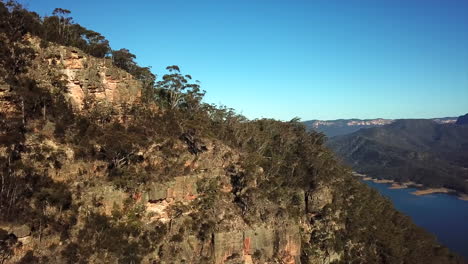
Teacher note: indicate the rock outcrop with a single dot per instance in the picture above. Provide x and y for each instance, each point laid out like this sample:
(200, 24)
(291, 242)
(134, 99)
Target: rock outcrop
(258, 242)
(245, 243)
(319, 198)
(183, 188)
(19, 231)
(84, 77)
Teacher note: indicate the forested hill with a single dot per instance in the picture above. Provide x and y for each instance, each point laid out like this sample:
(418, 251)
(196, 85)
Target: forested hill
(422, 151)
(103, 163)
(462, 120)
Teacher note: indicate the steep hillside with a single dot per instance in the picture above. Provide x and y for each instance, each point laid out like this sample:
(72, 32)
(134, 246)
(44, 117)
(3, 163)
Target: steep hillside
(462, 120)
(81, 77)
(410, 150)
(94, 169)
(340, 127)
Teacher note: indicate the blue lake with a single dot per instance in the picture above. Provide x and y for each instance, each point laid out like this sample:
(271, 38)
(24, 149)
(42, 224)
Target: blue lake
(444, 215)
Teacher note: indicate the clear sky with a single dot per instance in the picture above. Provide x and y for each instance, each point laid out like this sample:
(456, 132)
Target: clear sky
(315, 59)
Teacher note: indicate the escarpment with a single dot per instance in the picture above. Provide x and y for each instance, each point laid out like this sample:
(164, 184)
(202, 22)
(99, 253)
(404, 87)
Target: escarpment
(84, 77)
(207, 208)
(192, 183)
(81, 78)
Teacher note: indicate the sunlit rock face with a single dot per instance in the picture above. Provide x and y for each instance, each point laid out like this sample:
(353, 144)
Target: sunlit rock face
(258, 242)
(83, 76)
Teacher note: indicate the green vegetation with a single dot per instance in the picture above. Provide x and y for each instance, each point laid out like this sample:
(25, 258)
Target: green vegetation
(371, 234)
(78, 179)
(59, 28)
(422, 151)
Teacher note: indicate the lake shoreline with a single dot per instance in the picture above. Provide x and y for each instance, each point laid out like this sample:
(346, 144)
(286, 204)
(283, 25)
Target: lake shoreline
(441, 214)
(422, 190)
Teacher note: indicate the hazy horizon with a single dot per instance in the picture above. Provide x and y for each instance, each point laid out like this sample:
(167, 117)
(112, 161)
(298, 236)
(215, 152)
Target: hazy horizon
(436, 117)
(322, 60)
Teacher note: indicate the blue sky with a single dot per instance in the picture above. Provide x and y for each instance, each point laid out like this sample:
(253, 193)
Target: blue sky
(315, 59)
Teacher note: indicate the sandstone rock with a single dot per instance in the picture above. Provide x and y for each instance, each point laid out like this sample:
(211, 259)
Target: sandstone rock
(84, 76)
(158, 211)
(248, 260)
(25, 240)
(4, 87)
(182, 188)
(289, 244)
(259, 239)
(20, 231)
(269, 242)
(157, 192)
(227, 244)
(319, 198)
(189, 246)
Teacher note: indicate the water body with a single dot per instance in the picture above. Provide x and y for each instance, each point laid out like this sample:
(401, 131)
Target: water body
(444, 215)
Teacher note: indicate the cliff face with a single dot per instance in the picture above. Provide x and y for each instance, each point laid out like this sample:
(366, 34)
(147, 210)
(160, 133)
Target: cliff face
(194, 213)
(232, 239)
(84, 77)
(195, 216)
(209, 186)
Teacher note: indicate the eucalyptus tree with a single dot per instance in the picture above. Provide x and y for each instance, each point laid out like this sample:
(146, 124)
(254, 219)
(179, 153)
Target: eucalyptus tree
(176, 90)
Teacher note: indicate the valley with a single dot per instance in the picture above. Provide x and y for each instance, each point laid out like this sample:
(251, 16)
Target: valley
(441, 214)
(424, 151)
(332, 128)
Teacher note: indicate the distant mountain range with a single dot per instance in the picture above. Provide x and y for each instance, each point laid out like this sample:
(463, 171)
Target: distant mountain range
(433, 152)
(338, 127)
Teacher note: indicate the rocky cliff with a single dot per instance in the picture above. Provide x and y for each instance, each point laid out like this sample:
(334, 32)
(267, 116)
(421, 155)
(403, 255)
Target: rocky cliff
(186, 185)
(81, 76)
